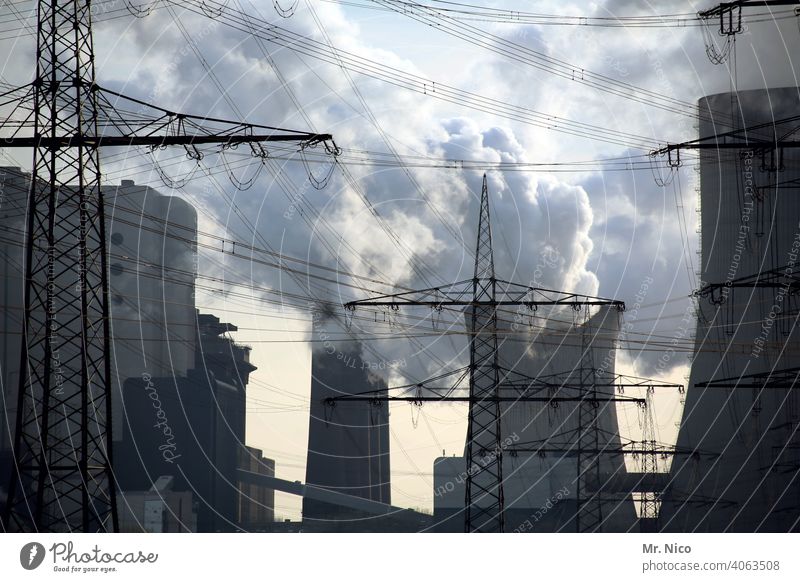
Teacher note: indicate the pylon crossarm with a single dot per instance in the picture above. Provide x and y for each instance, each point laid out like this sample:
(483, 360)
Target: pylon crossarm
(633, 447)
(461, 294)
(755, 137)
(782, 277)
(525, 389)
(602, 379)
(157, 127)
(527, 295)
(774, 379)
(444, 398)
(724, 8)
(410, 391)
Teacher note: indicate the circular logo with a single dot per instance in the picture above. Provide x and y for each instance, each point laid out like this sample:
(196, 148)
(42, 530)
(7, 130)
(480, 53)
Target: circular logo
(31, 555)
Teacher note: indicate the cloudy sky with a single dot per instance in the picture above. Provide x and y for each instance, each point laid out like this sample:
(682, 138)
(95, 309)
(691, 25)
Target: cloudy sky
(532, 92)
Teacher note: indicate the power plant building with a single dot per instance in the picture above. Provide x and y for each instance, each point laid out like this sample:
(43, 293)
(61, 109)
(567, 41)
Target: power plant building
(540, 449)
(348, 442)
(741, 413)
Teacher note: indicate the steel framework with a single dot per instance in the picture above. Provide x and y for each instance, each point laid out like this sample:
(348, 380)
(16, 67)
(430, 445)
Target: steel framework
(63, 479)
(589, 514)
(786, 378)
(584, 443)
(483, 295)
(782, 277)
(730, 13)
(768, 140)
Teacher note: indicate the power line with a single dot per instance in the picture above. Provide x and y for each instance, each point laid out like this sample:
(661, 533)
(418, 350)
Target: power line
(476, 13)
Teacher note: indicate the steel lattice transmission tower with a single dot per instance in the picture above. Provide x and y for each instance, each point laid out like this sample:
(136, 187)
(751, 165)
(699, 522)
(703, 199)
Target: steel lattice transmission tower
(62, 450)
(484, 489)
(482, 296)
(589, 514)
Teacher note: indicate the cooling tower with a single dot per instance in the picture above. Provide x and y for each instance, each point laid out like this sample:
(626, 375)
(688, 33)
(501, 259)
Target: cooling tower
(741, 410)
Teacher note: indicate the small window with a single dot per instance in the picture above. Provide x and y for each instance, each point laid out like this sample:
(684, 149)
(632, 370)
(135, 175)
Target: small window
(117, 238)
(117, 269)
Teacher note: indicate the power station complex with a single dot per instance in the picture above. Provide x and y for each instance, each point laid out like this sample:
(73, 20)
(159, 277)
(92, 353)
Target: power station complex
(124, 403)
(180, 414)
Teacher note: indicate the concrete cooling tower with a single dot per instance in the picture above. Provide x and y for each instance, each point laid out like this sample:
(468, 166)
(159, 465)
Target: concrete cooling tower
(348, 443)
(741, 411)
(541, 487)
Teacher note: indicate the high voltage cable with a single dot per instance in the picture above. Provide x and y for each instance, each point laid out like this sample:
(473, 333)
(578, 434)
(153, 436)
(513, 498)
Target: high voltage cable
(279, 177)
(518, 52)
(232, 245)
(356, 157)
(377, 125)
(396, 77)
(472, 12)
(307, 46)
(477, 13)
(397, 241)
(301, 302)
(231, 242)
(539, 60)
(664, 342)
(656, 342)
(358, 64)
(204, 64)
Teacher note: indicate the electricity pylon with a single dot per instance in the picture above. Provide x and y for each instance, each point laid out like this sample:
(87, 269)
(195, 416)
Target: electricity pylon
(730, 13)
(483, 295)
(63, 479)
(589, 507)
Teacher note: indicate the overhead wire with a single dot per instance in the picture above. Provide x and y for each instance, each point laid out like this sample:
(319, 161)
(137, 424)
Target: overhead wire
(442, 22)
(477, 13)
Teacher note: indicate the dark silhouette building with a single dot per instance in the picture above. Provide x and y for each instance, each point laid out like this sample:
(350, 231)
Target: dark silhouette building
(348, 443)
(191, 427)
(256, 507)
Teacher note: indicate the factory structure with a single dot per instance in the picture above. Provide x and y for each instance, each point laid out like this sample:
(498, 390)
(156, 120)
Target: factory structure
(735, 463)
(348, 444)
(180, 381)
(734, 466)
(540, 463)
(742, 400)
